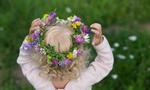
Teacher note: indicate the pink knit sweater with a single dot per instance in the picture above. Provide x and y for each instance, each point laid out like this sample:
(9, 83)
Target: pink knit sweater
(97, 70)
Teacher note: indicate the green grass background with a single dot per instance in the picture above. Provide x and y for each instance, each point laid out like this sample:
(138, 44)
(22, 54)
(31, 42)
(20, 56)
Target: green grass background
(120, 19)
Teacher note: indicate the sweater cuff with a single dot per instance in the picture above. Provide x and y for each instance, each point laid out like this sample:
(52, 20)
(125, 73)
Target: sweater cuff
(102, 44)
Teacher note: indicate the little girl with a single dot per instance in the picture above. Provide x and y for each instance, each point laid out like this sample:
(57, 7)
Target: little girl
(54, 54)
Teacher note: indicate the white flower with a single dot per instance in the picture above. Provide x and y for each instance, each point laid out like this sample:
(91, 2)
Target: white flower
(121, 56)
(68, 10)
(75, 53)
(116, 44)
(132, 38)
(125, 48)
(114, 76)
(86, 38)
(131, 56)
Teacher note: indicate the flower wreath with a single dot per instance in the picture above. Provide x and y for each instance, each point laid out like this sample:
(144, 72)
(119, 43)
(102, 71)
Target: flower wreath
(80, 35)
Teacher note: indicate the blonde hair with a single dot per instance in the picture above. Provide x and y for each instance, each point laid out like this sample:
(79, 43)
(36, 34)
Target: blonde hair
(60, 36)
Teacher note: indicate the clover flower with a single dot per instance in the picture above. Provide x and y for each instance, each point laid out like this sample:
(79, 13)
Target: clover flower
(79, 39)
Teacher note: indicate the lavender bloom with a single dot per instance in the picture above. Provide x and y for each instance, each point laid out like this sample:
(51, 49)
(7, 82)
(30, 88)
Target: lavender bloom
(67, 61)
(79, 52)
(61, 63)
(79, 39)
(77, 19)
(54, 62)
(27, 46)
(85, 29)
(51, 16)
(35, 34)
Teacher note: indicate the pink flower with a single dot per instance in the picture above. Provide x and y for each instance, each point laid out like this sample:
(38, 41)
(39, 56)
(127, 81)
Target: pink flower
(79, 52)
(79, 39)
(85, 29)
(55, 62)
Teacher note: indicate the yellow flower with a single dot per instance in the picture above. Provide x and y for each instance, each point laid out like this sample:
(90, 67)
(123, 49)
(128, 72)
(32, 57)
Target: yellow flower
(45, 16)
(29, 39)
(78, 23)
(74, 25)
(70, 55)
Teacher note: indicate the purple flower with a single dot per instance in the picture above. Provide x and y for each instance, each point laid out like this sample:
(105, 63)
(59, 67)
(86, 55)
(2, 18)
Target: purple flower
(27, 46)
(79, 52)
(77, 19)
(79, 39)
(35, 35)
(55, 62)
(67, 61)
(51, 16)
(61, 63)
(85, 29)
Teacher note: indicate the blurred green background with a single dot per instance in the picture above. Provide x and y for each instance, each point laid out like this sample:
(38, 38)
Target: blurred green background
(126, 24)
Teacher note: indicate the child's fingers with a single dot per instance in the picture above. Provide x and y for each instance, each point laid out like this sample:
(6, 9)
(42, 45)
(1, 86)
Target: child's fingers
(36, 22)
(95, 31)
(97, 26)
(32, 29)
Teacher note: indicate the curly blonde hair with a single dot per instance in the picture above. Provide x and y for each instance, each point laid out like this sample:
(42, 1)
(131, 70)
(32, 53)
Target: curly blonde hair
(60, 37)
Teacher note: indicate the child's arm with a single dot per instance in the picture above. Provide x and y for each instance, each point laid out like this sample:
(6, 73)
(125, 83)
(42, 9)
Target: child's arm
(30, 68)
(99, 68)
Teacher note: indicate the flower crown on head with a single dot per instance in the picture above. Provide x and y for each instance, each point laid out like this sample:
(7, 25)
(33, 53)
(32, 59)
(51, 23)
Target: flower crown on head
(57, 59)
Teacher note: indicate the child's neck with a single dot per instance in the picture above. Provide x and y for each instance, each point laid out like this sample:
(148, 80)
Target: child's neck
(58, 84)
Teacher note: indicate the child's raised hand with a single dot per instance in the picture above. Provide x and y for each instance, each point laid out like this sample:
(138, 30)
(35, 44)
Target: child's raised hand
(97, 30)
(35, 25)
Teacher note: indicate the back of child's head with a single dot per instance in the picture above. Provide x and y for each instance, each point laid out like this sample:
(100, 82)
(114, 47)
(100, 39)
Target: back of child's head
(60, 36)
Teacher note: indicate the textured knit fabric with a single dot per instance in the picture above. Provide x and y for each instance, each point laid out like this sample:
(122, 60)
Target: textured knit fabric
(96, 71)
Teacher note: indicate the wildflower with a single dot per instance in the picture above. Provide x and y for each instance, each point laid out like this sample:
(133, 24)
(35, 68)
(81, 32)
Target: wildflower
(114, 76)
(35, 35)
(28, 39)
(27, 46)
(70, 55)
(85, 29)
(51, 16)
(54, 62)
(79, 52)
(86, 38)
(78, 23)
(132, 38)
(45, 16)
(75, 19)
(67, 61)
(68, 10)
(79, 39)
(74, 53)
(74, 25)
(116, 44)
(120, 56)
(131, 56)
